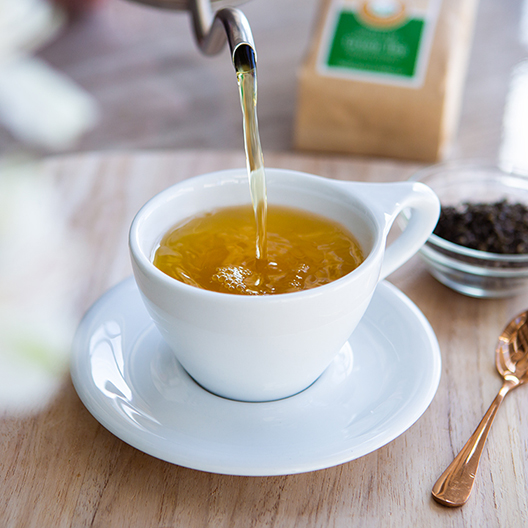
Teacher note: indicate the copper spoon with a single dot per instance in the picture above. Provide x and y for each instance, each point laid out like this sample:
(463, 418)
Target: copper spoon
(454, 487)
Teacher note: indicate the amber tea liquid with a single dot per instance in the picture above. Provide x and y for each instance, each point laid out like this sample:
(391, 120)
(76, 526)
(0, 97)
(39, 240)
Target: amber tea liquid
(216, 251)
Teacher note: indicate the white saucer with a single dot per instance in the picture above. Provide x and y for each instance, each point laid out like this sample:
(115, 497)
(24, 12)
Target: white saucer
(378, 386)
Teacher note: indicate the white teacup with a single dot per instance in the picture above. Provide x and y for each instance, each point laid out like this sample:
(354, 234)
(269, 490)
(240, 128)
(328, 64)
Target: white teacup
(260, 348)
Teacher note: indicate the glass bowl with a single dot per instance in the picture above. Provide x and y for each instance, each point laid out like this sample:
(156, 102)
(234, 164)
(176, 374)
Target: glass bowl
(470, 271)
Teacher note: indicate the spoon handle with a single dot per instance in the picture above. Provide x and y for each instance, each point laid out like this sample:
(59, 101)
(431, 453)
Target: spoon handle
(454, 486)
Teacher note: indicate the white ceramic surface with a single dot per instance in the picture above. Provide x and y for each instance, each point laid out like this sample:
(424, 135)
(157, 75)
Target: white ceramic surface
(262, 348)
(378, 385)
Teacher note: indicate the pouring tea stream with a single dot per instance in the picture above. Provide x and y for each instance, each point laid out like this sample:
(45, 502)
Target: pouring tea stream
(211, 30)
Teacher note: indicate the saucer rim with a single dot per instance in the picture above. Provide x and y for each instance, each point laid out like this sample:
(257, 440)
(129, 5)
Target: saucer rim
(100, 411)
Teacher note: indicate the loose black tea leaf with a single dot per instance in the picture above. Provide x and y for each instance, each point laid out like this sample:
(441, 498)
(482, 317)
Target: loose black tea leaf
(499, 227)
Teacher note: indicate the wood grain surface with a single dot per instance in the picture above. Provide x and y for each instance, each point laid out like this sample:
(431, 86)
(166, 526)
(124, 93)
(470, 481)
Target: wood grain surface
(59, 467)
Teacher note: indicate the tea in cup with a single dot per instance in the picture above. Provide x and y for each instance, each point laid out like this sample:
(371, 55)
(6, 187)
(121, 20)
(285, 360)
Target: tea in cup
(268, 345)
(217, 251)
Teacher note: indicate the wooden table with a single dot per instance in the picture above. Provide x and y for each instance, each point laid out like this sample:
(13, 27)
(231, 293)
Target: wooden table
(60, 468)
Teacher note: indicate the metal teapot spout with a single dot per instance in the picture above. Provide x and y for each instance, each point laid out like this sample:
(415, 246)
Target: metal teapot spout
(213, 27)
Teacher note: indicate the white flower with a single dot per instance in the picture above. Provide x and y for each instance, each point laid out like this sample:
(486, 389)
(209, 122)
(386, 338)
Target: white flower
(39, 262)
(38, 105)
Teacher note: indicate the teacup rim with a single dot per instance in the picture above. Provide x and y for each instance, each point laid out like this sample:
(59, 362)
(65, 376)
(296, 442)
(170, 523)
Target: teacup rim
(147, 266)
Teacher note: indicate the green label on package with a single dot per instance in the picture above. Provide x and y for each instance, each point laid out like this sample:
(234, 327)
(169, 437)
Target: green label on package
(384, 41)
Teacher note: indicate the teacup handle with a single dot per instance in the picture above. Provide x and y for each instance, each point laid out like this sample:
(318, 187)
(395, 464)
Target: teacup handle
(389, 200)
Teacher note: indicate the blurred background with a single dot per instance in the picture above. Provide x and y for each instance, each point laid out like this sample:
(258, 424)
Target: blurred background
(155, 90)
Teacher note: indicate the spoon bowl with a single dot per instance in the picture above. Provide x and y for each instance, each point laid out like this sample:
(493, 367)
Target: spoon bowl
(511, 357)
(454, 486)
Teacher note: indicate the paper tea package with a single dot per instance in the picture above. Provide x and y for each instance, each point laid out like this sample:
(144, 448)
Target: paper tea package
(385, 77)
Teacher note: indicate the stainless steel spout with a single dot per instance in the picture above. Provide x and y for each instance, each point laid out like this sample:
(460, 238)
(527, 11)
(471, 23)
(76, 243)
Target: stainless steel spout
(212, 27)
